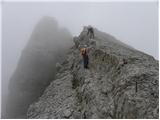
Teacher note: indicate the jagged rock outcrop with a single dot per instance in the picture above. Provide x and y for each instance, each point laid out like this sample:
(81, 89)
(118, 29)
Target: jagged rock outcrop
(121, 82)
(36, 67)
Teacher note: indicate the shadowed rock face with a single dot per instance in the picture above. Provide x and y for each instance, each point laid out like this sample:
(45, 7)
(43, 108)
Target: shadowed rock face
(121, 82)
(36, 67)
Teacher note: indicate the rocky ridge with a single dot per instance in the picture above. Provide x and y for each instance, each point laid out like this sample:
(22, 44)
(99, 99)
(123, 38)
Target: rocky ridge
(121, 82)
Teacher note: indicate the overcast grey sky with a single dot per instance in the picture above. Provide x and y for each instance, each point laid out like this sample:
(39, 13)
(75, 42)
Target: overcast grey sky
(135, 23)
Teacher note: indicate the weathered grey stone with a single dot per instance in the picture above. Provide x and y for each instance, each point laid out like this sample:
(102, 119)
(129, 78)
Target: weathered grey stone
(76, 41)
(58, 66)
(67, 113)
(121, 82)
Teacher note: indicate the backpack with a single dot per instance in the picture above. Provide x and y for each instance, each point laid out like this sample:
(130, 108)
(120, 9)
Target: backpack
(83, 51)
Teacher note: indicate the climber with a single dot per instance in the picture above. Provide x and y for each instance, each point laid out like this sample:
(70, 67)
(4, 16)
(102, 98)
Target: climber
(90, 32)
(84, 53)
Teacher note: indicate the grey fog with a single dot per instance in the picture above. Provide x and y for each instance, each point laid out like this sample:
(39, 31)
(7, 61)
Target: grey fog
(134, 23)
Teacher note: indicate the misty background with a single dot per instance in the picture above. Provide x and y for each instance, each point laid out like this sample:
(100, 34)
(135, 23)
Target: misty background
(134, 23)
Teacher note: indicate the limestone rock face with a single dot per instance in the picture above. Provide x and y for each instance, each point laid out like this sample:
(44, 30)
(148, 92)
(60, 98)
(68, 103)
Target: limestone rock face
(36, 67)
(121, 82)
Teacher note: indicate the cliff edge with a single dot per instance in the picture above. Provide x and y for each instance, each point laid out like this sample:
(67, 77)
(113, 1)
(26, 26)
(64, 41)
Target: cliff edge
(121, 82)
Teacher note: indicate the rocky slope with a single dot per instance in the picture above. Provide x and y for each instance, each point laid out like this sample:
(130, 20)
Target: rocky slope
(36, 66)
(121, 82)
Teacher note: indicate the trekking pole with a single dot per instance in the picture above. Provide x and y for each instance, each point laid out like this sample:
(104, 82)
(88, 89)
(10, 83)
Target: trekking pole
(136, 86)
